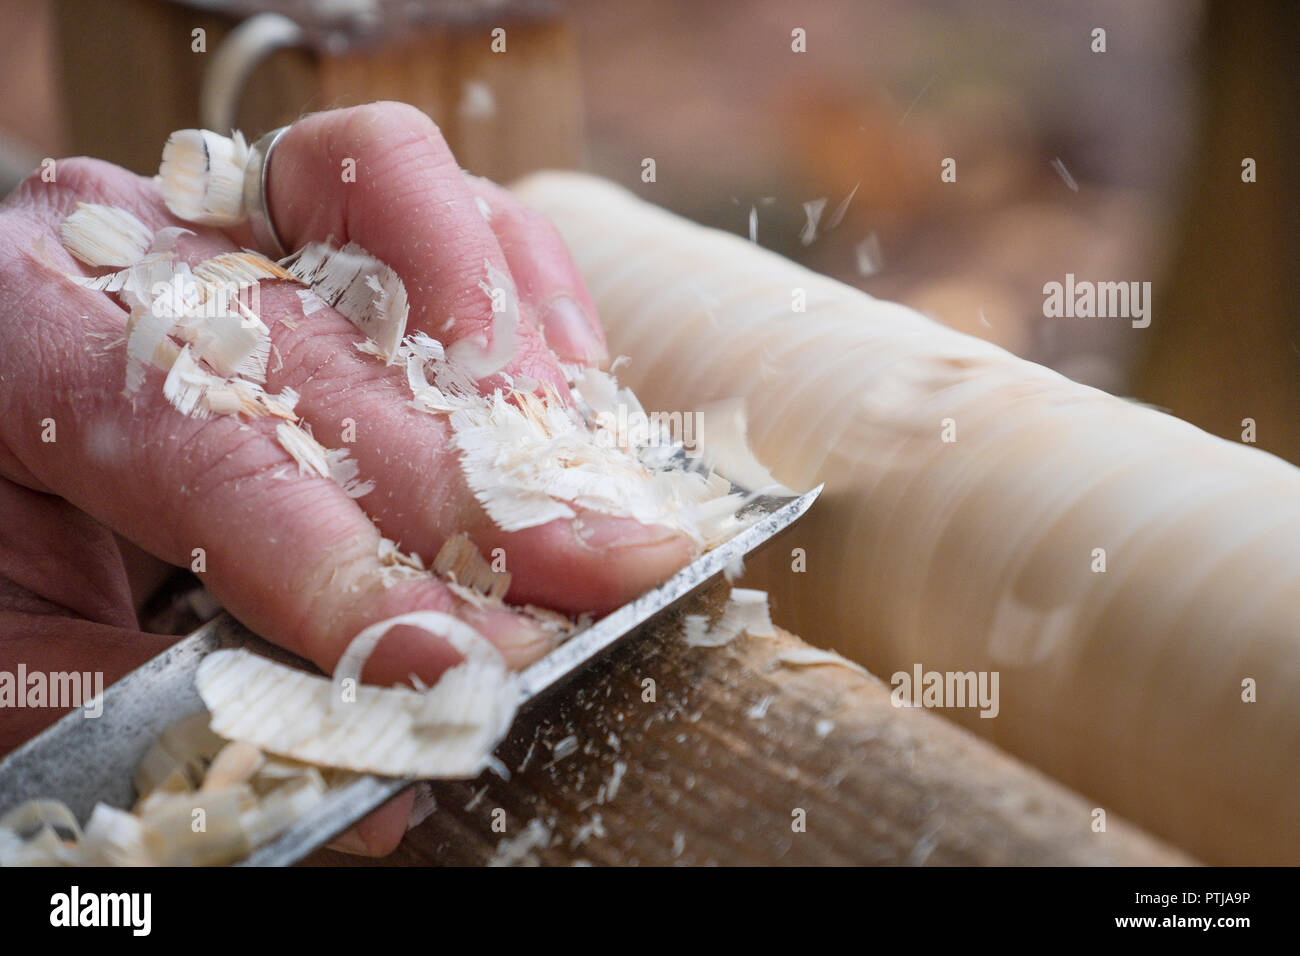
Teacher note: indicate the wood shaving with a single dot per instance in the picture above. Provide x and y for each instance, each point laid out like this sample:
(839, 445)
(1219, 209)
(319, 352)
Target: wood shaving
(167, 238)
(397, 566)
(359, 286)
(814, 657)
(104, 236)
(229, 344)
(239, 270)
(313, 458)
(592, 828)
(202, 176)
(194, 391)
(424, 806)
(448, 730)
(615, 780)
(459, 560)
(481, 358)
(519, 850)
(246, 800)
(746, 612)
(749, 607)
(235, 763)
(181, 321)
(565, 748)
(727, 448)
(529, 461)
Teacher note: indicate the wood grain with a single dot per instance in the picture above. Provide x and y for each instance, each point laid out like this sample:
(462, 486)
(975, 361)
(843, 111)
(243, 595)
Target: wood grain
(130, 76)
(713, 770)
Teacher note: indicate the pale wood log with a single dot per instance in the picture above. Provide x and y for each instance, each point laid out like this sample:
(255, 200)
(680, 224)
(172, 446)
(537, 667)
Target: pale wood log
(707, 780)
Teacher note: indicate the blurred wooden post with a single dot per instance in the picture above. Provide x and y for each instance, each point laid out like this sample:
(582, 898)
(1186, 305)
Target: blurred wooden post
(1225, 342)
(130, 75)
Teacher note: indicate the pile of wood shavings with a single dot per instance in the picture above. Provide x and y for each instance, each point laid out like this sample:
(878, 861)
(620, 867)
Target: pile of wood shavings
(528, 455)
(273, 741)
(203, 801)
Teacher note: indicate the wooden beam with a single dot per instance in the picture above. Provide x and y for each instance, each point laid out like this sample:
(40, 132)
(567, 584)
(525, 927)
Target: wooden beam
(715, 769)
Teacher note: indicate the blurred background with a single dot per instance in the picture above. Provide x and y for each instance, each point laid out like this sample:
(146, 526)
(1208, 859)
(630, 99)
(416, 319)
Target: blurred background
(1115, 157)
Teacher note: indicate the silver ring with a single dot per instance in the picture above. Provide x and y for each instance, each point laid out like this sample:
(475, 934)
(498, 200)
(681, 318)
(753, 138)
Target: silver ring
(259, 214)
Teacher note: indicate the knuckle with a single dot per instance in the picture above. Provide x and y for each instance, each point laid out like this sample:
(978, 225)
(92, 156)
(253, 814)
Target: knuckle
(392, 132)
(213, 454)
(75, 179)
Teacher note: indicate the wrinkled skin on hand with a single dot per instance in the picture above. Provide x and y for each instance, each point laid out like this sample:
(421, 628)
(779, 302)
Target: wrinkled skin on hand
(291, 556)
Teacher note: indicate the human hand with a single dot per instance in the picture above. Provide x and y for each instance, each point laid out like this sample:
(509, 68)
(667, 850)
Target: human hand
(291, 556)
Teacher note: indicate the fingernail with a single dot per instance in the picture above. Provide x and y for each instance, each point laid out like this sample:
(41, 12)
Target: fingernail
(604, 533)
(350, 842)
(519, 641)
(572, 333)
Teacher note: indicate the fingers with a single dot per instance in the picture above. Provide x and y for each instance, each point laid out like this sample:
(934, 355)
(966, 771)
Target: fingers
(291, 556)
(593, 564)
(545, 275)
(408, 205)
(352, 401)
(411, 207)
(379, 832)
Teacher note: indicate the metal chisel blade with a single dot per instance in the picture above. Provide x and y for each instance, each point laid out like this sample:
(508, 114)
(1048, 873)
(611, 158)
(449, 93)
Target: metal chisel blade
(84, 761)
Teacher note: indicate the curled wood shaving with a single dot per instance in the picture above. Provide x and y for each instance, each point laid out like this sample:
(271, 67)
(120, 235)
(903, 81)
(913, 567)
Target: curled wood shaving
(34, 815)
(135, 282)
(528, 462)
(451, 389)
(229, 344)
(726, 448)
(239, 270)
(188, 384)
(148, 345)
(246, 799)
(194, 391)
(167, 238)
(424, 806)
(235, 763)
(448, 730)
(215, 358)
(179, 758)
(114, 837)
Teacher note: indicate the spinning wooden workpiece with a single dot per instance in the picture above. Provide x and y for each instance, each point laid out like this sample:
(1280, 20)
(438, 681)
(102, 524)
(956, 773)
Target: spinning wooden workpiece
(1134, 581)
